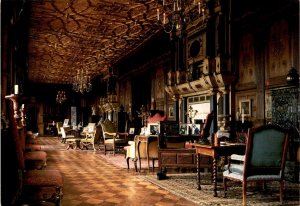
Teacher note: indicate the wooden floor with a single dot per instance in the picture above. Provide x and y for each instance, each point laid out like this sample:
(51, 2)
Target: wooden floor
(90, 180)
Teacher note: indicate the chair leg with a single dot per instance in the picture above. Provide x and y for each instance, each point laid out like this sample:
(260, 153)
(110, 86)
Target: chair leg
(104, 149)
(281, 191)
(140, 163)
(114, 150)
(153, 165)
(264, 185)
(225, 186)
(127, 160)
(135, 164)
(244, 183)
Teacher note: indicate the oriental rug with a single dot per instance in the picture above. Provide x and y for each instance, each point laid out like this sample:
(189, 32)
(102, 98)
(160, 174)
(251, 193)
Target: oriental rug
(185, 185)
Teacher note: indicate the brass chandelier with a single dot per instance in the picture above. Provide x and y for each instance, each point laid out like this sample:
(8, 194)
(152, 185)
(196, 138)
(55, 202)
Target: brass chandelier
(61, 97)
(174, 15)
(82, 82)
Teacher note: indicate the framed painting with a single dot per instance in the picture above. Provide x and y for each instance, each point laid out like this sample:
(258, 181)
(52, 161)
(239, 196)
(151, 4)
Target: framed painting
(153, 128)
(66, 123)
(171, 112)
(245, 107)
(131, 130)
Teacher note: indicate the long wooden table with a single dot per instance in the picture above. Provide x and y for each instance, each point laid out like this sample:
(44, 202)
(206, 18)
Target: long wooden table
(215, 152)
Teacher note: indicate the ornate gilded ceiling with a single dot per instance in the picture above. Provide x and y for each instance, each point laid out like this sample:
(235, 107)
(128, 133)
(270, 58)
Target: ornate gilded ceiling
(67, 35)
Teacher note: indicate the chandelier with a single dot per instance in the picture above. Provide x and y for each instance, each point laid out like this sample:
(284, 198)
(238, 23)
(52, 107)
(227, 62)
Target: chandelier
(61, 97)
(174, 15)
(82, 82)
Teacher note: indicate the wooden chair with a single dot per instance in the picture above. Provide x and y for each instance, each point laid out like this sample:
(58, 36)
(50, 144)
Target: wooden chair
(264, 160)
(65, 135)
(92, 138)
(113, 138)
(58, 126)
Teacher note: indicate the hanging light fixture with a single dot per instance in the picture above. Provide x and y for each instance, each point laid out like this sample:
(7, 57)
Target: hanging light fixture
(61, 97)
(173, 15)
(82, 82)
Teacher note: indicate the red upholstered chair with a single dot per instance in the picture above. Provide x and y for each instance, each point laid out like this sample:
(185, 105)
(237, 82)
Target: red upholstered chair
(31, 181)
(205, 132)
(33, 159)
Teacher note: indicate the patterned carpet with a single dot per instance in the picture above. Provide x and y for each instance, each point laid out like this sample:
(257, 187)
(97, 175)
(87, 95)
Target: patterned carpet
(184, 185)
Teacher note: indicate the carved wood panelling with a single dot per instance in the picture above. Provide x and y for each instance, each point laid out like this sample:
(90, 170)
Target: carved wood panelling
(246, 60)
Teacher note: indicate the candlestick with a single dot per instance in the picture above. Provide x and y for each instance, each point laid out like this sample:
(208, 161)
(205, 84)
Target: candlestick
(16, 89)
(157, 14)
(243, 118)
(164, 20)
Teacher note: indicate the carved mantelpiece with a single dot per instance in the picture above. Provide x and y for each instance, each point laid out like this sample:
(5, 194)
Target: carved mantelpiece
(204, 83)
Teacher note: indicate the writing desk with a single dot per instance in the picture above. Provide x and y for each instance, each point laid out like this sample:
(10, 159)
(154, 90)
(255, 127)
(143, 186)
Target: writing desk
(215, 152)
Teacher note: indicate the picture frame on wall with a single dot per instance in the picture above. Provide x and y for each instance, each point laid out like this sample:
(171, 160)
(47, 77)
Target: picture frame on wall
(131, 130)
(153, 128)
(66, 123)
(171, 112)
(245, 107)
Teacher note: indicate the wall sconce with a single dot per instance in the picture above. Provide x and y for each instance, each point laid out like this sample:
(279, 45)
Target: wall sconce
(292, 77)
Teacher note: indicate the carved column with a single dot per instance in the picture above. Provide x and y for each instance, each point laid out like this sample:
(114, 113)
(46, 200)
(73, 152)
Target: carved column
(213, 107)
(178, 102)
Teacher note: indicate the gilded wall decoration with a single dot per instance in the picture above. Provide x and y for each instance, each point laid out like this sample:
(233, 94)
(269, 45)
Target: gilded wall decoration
(246, 60)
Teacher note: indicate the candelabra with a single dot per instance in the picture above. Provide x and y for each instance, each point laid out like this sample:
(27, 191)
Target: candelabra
(61, 97)
(82, 82)
(143, 114)
(173, 15)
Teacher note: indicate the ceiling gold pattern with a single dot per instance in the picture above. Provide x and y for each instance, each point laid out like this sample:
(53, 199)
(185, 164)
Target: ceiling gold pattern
(65, 35)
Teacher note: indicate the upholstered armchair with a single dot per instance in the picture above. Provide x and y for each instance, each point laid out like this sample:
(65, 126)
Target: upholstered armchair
(113, 140)
(264, 160)
(33, 156)
(137, 150)
(31, 143)
(65, 135)
(131, 153)
(92, 138)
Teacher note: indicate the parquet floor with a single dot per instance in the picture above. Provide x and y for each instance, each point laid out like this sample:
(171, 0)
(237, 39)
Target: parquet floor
(90, 180)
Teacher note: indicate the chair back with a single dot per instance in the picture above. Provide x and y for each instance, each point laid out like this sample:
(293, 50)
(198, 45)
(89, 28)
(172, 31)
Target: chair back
(206, 127)
(266, 150)
(58, 126)
(63, 132)
(97, 134)
(91, 127)
(107, 126)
